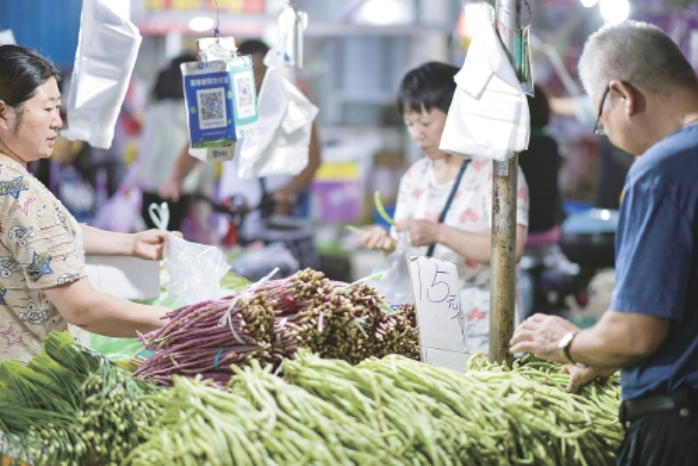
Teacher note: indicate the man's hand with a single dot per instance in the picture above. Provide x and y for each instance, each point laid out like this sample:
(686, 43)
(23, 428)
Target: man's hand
(581, 375)
(378, 238)
(422, 232)
(170, 190)
(540, 334)
(149, 244)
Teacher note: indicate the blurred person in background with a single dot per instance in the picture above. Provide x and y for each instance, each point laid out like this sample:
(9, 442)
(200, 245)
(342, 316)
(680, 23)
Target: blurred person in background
(541, 164)
(614, 162)
(289, 193)
(464, 236)
(165, 132)
(108, 166)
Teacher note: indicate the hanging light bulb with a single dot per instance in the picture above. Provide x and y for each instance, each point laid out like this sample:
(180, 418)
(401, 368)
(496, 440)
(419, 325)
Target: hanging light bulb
(589, 3)
(201, 24)
(614, 11)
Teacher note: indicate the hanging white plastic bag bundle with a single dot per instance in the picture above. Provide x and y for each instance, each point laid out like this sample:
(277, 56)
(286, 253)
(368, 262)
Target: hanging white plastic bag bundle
(107, 49)
(292, 23)
(488, 116)
(220, 99)
(395, 284)
(195, 270)
(286, 120)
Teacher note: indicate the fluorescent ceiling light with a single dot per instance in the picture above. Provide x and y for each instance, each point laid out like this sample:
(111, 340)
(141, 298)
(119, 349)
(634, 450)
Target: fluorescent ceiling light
(384, 12)
(614, 11)
(200, 24)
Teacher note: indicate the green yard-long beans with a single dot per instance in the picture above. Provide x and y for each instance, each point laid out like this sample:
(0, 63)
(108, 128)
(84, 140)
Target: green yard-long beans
(392, 411)
(72, 407)
(532, 422)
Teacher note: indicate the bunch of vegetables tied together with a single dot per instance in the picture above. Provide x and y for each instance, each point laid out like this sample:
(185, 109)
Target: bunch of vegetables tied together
(389, 411)
(269, 321)
(71, 406)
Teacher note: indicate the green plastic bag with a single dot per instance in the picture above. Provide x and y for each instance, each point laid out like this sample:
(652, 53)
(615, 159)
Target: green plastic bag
(116, 349)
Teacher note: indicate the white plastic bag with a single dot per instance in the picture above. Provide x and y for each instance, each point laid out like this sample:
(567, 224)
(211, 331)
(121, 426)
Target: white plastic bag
(106, 53)
(285, 121)
(121, 213)
(195, 270)
(395, 284)
(488, 116)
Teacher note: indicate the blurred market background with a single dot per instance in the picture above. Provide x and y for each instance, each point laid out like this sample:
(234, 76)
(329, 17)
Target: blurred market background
(356, 52)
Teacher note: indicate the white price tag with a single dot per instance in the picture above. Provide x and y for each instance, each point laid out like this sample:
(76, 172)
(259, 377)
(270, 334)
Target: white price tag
(439, 315)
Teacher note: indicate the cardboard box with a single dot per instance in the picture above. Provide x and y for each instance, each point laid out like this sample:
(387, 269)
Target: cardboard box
(123, 276)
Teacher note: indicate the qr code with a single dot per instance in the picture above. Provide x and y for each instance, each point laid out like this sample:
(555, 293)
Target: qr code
(212, 111)
(244, 91)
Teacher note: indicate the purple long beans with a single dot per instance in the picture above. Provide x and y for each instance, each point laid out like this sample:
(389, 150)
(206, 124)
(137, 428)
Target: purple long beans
(270, 321)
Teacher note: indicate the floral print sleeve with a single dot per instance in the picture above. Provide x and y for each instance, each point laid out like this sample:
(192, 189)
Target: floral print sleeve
(40, 248)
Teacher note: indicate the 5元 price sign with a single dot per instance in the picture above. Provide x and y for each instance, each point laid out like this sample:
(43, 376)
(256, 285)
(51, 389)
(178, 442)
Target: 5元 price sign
(439, 315)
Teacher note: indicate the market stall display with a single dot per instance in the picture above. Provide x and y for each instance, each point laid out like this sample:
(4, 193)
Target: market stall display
(269, 321)
(386, 411)
(390, 410)
(487, 415)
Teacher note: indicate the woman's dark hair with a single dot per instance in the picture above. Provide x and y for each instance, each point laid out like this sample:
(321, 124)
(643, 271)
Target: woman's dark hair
(539, 108)
(168, 84)
(22, 72)
(251, 46)
(430, 85)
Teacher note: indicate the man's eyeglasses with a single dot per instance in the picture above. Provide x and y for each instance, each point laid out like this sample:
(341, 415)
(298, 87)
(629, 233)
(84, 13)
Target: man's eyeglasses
(598, 127)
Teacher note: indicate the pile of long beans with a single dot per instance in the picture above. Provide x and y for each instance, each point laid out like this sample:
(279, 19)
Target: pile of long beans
(263, 421)
(421, 427)
(477, 417)
(392, 411)
(208, 337)
(269, 321)
(202, 425)
(338, 320)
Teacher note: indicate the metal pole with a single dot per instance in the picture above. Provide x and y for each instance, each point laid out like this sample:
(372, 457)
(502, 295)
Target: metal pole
(504, 187)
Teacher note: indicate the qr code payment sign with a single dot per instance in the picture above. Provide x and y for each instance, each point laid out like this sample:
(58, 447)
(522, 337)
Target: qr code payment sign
(244, 91)
(212, 111)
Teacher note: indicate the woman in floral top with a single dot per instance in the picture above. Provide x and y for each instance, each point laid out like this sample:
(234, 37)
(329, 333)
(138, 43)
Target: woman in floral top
(464, 237)
(42, 247)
